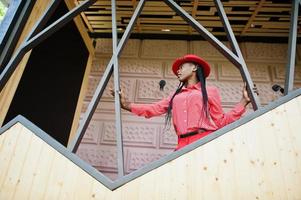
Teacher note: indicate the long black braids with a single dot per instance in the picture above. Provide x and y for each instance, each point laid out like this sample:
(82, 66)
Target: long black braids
(201, 78)
(168, 113)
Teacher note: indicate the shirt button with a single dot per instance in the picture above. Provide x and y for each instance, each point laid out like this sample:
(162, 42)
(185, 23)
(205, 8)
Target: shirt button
(185, 120)
(184, 110)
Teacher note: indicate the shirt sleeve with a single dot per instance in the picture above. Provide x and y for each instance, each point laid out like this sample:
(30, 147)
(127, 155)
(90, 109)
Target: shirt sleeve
(150, 110)
(216, 111)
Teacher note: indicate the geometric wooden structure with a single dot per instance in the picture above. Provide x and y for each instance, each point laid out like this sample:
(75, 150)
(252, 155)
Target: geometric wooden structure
(233, 54)
(259, 159)
(123, 180)
(248, 18)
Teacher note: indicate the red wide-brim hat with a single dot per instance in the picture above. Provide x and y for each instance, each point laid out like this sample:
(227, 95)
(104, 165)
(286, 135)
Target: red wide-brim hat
(191, 58)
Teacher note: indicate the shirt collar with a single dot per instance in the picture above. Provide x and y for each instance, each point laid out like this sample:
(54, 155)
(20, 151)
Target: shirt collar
(195, 86)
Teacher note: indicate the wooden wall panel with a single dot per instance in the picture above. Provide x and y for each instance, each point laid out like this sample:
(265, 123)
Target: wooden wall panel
(83, 93)
(104, 48)
(258, 71)
(207, 51)
(163, 48)
(142, 65)
(81, 27)
(258, 160)
(265, 52)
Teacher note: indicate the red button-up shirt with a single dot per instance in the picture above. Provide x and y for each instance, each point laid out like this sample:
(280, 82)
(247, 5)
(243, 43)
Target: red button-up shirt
(187, 113)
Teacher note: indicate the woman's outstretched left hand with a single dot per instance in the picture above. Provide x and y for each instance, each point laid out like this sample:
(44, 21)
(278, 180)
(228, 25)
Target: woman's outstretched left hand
(245, 100)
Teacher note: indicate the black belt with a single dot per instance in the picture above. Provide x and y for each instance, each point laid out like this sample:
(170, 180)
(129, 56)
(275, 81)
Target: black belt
(201, 130)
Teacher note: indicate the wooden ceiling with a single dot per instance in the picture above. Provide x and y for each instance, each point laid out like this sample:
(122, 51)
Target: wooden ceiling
(248, 18)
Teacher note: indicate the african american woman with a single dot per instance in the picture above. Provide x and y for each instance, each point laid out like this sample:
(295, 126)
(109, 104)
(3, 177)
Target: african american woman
(195, 109)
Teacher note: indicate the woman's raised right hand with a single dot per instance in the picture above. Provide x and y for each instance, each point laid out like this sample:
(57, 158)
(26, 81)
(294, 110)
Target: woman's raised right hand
(125, 105)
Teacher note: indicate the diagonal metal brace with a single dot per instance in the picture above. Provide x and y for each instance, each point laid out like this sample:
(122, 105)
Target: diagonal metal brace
(118, 122)
(35, 40)
(235, 47)
(290, 66)
(204, 32)
(73, 146)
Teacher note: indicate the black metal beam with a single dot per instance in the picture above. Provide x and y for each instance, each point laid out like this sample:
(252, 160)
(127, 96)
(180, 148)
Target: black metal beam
(35, 40)
(227, 27)
(290, 67)
(204, 32)
(11, 28)
(73, 146)
(40, 23)
(235, 48)
(118, 123)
